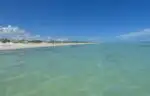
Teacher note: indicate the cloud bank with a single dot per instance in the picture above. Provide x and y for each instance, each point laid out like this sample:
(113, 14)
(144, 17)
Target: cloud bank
(11, 30)
(18, 33)
(141, 35)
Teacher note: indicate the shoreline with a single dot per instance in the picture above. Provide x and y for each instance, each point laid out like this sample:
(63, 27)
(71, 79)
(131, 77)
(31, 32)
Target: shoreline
(15, 46)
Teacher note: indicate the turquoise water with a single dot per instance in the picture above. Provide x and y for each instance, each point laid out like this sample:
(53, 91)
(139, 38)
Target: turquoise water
(86, 70)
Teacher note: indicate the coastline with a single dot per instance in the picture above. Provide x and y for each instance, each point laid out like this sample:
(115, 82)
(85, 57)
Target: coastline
(15, 46)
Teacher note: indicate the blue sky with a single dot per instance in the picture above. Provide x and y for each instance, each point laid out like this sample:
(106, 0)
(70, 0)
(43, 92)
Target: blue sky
(103, 18)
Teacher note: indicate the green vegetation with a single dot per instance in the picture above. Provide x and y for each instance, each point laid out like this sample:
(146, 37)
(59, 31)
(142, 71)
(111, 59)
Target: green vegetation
(35, 41)
(5, 40)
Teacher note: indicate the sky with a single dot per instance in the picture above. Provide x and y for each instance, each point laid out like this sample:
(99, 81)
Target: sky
(106, 19)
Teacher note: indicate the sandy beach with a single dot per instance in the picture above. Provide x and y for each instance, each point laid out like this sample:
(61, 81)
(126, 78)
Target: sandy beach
(14, 46)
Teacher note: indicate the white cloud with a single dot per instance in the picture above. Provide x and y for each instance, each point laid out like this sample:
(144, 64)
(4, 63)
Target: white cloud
(15, 33)
(135, 35)
(62, 39)
(11, 30)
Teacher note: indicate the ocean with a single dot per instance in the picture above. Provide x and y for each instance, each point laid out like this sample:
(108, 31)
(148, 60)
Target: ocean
(108, 69)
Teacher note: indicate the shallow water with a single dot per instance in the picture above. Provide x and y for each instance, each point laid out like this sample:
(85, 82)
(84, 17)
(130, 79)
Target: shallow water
(87, 70)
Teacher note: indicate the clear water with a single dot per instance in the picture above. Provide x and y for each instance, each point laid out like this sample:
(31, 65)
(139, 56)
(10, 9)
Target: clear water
(87, 70)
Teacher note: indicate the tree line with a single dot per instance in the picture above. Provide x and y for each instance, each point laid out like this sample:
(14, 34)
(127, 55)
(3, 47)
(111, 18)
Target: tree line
(6, 40)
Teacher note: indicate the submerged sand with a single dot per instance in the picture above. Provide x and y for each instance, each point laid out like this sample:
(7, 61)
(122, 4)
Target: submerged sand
(14, 46)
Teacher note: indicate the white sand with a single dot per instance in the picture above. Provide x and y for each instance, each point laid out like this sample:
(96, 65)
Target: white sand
(14, 46)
